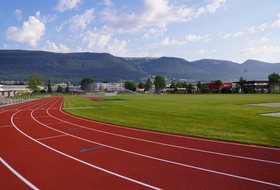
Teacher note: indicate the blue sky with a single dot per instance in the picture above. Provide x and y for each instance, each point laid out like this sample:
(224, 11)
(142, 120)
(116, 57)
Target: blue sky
(234, 30)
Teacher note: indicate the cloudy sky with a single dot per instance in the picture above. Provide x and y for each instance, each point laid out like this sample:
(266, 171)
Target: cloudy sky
(234, 30)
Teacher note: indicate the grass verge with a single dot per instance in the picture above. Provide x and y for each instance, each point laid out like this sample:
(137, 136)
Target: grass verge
(214, 116)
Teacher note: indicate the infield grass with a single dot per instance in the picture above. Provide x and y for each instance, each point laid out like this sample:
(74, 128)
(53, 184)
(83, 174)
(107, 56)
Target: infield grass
(214, 116)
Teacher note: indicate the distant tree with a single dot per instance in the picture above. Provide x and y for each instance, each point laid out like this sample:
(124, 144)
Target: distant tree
(105, 81)
(49, 86)
(274, 78)
(67, 89)
(101, 88)
(141, 85)
(179, 84)
(189, 88)
(199, 85)
(34, 81)
(241, 83)
(87, 84)
(43, 91)
(159, 83)
(59, 89)
(130, 85)
(184, 84)
(173, 85)
(218, 83)
(237, 88)
(148, 85)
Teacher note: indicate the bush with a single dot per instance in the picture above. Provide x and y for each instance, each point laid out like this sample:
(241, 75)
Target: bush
(247, 90)
(226, 91)
(275, 91)
(205, 90)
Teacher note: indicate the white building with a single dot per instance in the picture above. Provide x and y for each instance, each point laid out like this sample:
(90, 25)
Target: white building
(11, 90)
(110, 87)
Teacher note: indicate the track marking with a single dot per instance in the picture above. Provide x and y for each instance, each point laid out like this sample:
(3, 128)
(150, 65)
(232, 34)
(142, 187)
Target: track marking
(150, 157)
(52, 137)
(89, 149)
(18, 175)
(170, 145)
(78, 160)
(5, 126)
(171, 135)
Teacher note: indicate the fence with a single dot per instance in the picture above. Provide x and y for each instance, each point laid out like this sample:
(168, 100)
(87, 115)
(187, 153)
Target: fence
(10, 100)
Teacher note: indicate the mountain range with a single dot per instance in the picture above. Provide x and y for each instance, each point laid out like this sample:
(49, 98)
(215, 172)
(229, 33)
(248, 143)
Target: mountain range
(18, 65)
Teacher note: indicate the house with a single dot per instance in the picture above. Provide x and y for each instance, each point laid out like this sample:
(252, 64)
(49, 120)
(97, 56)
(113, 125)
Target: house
(110, 87)
(258, 85)
(213, 87)
(11, 90)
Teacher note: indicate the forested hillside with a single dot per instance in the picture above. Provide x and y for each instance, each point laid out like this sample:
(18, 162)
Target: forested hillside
(72, 67)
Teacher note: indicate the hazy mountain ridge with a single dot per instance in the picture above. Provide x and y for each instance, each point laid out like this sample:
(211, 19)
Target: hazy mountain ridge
(64, 67)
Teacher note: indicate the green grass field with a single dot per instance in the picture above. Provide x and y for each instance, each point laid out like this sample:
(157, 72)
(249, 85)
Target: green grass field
(214, 116)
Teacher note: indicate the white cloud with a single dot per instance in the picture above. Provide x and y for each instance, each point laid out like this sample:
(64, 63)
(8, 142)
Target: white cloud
(276, 23)
(47, 18)
(192, 38)
(96, 41)
(168, 42)
(81, 21)
(52, 47)
(64, 5)
(238, 34)
(261, 40)
(263, 26)
(200, 51)
(5, 46)
(154, 33)
(251, 30)
(226, 35)
(262, 50)
(18, 13)
(108, 3)
(118, 48)
(215, 5)
(153, 14)
(264, 39)
(60, 27)
(31, 32)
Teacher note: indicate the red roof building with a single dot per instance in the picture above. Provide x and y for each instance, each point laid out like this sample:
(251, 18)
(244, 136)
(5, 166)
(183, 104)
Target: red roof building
(213, 87)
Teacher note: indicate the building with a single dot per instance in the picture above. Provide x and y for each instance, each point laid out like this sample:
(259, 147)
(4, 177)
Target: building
(11, 90)
(110, 87)
(258, 85)
(213, 87)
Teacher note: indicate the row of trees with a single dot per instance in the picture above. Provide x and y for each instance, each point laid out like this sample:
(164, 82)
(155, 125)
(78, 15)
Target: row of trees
(87, 84)
(159, 83)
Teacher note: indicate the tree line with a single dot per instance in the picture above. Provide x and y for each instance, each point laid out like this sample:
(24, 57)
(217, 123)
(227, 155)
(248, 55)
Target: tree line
(87, 84)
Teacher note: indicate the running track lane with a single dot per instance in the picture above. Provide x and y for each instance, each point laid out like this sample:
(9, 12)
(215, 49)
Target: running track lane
(158, 160)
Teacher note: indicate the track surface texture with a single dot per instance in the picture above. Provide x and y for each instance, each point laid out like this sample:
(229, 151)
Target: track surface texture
(42, 147)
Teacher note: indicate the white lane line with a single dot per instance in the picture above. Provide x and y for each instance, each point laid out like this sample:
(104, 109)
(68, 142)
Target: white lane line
(52, 137)
(162, 160)
(169, 145)
(81, 161)
(18, 175)
(5, 126)
(171, 135)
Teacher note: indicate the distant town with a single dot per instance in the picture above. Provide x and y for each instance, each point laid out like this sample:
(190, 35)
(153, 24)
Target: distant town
(13, 88)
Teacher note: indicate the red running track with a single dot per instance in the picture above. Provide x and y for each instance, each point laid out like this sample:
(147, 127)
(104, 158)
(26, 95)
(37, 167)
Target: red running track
(42, 147)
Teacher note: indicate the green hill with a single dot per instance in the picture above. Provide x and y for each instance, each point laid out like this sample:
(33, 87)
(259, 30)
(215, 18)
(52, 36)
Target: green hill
(73, 67)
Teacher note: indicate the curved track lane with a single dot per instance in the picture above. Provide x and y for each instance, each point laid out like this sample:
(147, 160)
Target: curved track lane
(52, 149)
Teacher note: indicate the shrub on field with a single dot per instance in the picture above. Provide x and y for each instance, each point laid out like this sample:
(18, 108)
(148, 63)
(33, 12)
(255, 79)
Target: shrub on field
(226, 91)
(205, 90)
(275, 91)
(247, 90)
